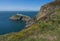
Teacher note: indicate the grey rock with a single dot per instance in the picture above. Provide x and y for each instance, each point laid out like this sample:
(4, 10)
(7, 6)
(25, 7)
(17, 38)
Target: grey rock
(19, 17)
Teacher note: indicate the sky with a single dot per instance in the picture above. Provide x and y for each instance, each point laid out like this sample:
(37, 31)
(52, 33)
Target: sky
(22, 5)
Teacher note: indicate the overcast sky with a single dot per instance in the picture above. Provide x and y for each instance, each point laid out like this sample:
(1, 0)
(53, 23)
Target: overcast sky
(22, 5)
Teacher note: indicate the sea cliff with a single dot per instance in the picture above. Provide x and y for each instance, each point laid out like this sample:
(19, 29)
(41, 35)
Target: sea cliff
(46, 26)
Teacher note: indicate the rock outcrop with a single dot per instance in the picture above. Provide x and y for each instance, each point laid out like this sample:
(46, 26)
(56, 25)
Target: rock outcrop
(48, 11)
(19, 17)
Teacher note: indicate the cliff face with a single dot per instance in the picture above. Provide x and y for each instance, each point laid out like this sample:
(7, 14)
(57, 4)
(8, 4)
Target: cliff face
(46, 30)
(48, 10)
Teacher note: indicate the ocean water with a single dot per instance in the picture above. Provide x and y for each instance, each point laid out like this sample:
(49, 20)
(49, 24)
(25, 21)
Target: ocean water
(7, 26)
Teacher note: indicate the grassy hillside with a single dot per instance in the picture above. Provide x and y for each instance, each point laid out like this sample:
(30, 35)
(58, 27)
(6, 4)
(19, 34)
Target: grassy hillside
(45, 29)
(40, 31)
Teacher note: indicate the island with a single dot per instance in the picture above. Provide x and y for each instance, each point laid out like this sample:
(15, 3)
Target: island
(19, 17)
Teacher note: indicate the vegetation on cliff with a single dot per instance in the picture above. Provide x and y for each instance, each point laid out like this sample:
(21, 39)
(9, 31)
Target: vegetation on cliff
(46, 27)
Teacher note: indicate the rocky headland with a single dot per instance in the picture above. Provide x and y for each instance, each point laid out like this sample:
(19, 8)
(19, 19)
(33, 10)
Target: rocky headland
(19, 17)
(45, 26)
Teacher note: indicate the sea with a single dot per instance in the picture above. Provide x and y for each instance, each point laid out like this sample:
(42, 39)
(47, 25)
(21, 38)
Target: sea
(9, 26)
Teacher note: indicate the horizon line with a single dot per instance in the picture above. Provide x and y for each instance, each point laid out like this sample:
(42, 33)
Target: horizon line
(20, 10)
